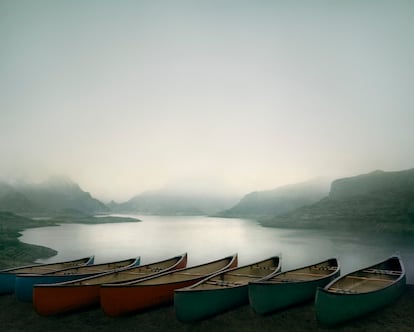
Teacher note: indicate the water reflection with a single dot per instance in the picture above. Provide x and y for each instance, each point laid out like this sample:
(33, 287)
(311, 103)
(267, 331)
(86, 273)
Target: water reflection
(205, 239)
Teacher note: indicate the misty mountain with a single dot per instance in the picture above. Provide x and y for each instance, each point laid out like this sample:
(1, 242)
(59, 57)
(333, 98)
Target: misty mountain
(52, 195)
(170, 202)
(377, 200)
(262, 204)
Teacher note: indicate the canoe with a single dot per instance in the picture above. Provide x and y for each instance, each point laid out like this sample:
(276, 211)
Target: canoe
(83, 293)
(8, 276)
(24, 282)
(120, 299)
(360, 292)
(222, 291)
(291, 287)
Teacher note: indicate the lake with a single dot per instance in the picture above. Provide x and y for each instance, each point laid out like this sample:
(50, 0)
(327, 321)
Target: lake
(205, 239)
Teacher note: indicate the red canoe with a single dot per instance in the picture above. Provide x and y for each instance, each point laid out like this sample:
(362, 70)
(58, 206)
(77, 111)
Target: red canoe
(51, 299)
(119, 299)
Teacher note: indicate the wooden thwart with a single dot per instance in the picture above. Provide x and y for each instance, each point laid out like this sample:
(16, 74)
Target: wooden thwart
(243, 275)
(370, 279)
(191, 274)
(306, 274)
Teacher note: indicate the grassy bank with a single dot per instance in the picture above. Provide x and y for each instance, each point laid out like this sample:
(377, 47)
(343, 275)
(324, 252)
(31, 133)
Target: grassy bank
(12, 251)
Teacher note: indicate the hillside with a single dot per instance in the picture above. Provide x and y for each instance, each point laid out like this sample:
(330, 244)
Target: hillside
(55, 194)
(262, 204)
(376, 201)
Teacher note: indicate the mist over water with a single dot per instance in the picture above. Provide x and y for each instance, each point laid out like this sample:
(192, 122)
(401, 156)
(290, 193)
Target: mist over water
(205, 239)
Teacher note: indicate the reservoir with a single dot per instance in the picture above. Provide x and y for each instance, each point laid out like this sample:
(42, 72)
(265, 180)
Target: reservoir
(206, 238)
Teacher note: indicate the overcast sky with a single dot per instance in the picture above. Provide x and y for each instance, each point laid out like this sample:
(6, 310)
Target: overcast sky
(127, 96)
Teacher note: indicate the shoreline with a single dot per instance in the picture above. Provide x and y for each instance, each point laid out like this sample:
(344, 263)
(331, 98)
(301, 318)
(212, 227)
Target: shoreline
(15, 253)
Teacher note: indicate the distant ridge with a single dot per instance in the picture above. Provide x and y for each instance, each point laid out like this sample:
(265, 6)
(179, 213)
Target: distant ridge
(53, 195)
(168, 202)
(376, 201)
(262, 204)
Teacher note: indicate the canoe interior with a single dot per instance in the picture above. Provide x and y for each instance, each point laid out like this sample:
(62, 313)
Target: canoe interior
(129, 274)
(369, 279)
(96, 268)
(191, 273)
(239, 276)
(47, 268)
(308, 273)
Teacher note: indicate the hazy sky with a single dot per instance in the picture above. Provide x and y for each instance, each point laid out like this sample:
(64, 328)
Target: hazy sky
(127, 96)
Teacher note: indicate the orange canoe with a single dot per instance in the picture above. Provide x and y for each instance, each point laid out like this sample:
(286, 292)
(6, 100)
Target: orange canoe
(119, 299)
(51, 299)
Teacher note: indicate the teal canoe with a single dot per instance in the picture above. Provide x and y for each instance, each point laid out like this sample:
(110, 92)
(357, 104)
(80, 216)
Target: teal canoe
(222, 291)
(291, 287)
(24, 282)
(8, 276)
(360, 292)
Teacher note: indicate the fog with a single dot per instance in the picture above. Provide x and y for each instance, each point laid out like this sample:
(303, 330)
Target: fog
(129, 96)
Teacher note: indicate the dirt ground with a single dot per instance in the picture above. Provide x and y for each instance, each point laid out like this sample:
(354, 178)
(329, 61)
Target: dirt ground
(17, 316)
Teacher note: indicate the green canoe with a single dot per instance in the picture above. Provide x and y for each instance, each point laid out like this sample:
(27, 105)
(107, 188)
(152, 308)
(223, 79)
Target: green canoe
(291, 287)
(222, 291)
(360, 292)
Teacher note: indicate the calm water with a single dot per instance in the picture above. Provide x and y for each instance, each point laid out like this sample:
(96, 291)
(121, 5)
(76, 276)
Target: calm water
(204, 239)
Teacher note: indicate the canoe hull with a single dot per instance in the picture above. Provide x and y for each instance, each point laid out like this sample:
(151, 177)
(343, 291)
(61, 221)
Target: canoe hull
(267, 297)
(332, 309)
(341, 301)
(64, 299)
(8, 277)
(116, 301)
(7, 281)
(119, 299)
(222, 291)
(195, 305)
(24, 283)
(85, 293)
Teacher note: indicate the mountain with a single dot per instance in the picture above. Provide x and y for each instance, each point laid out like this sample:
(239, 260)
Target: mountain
(262, 204)
(54, 194)
(13, 200)
(171, 202)
(377, 200)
